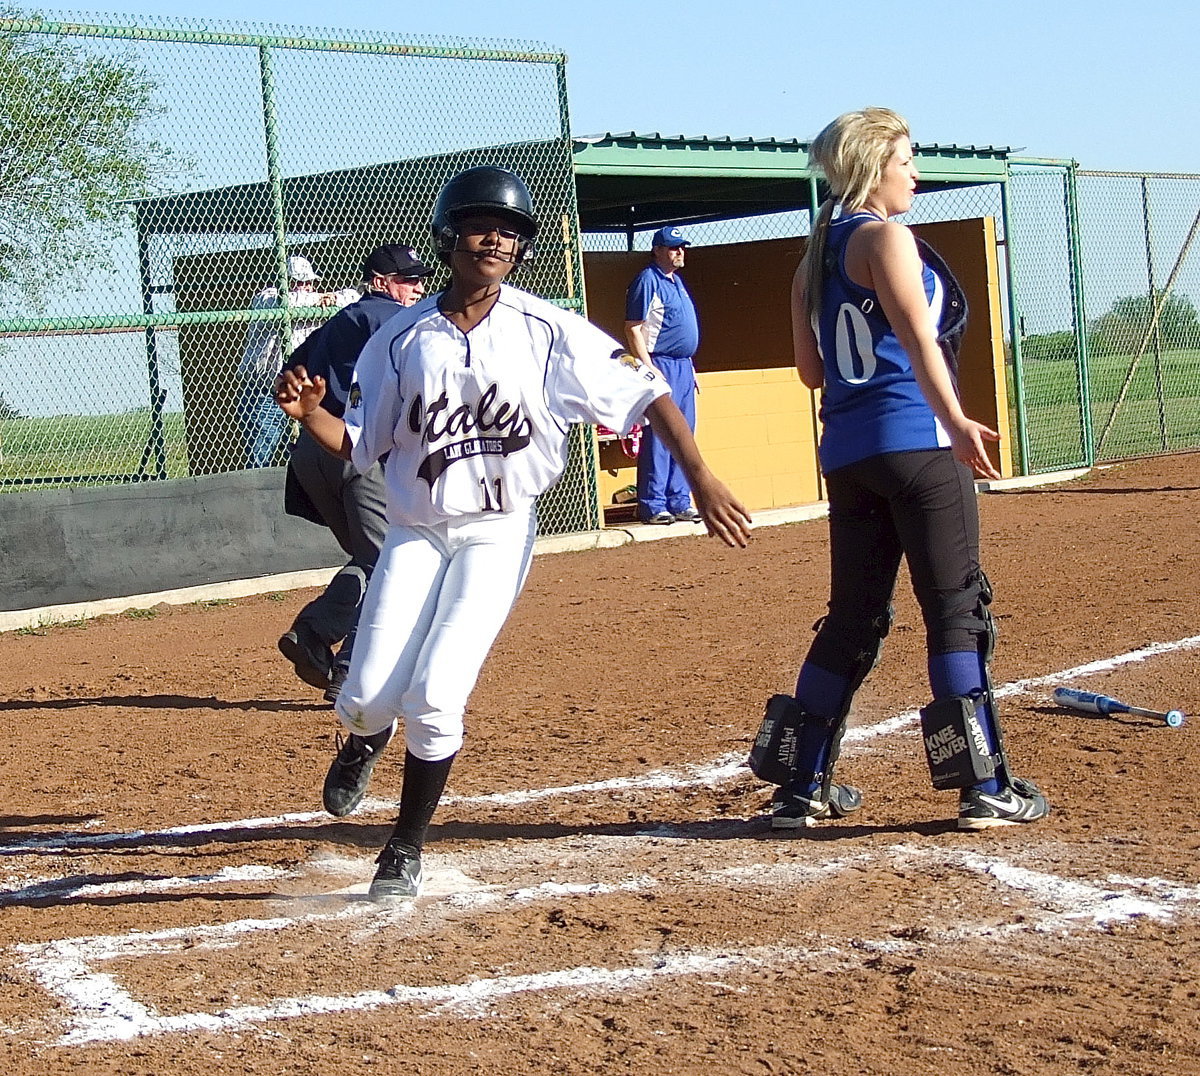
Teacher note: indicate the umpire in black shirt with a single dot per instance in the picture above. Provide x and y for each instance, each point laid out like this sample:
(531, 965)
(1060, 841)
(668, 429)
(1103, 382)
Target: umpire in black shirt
(329, 491)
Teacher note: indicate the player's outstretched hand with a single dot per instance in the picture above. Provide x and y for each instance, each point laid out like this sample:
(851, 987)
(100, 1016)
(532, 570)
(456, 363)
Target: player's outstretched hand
(966, 441)
(723, 513)
(297, 394)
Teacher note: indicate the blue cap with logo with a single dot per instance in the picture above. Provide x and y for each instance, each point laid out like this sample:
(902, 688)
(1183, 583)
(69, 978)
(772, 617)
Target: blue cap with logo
(669, 236)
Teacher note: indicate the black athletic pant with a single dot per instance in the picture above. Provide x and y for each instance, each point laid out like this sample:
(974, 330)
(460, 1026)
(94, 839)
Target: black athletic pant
(919, 505)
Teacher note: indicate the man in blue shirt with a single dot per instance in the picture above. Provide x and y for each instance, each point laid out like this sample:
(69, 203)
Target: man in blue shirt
(661, 327)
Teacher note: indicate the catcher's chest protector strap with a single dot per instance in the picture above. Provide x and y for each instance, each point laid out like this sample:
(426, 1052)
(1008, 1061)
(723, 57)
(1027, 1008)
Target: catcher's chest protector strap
(773, 756)
(955, 747)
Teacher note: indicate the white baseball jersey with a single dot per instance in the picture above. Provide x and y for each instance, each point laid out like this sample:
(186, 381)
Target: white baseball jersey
(474, 424)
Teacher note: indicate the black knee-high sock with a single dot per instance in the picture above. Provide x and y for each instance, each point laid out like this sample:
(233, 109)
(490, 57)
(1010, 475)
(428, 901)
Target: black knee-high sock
(419, 797)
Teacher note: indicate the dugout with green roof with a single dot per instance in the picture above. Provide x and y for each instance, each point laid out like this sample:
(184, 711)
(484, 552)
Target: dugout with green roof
(621, 181)
(642, 181)
(747, 203)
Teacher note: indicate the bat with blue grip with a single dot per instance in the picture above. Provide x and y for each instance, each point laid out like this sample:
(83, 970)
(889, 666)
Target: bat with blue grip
(1105, 704)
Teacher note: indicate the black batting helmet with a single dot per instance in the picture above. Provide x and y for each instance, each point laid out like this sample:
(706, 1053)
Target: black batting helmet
(484, 190)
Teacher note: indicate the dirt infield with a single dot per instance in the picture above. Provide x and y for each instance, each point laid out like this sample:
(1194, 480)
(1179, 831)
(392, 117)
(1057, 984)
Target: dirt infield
(603, 895)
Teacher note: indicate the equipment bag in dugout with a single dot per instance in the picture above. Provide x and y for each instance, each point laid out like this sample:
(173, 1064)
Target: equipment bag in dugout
(955, 747)
(773, 756)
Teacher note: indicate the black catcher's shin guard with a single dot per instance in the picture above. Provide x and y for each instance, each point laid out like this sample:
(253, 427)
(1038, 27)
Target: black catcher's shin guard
(777, 745)
(956, 747)
(788, 732)
(785, 729)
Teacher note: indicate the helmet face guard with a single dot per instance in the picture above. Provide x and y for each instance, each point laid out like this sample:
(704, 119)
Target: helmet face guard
(484, 191)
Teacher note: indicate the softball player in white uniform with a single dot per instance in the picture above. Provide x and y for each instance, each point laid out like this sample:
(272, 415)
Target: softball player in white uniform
(468, 397)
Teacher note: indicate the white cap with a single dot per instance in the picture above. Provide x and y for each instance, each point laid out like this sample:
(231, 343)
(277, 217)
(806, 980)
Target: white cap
(300, 269)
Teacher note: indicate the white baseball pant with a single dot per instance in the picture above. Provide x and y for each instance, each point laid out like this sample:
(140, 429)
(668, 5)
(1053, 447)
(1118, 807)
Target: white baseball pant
(437, 599)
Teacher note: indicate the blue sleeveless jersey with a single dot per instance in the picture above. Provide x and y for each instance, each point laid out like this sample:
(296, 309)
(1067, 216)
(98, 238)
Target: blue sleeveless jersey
(871, 402)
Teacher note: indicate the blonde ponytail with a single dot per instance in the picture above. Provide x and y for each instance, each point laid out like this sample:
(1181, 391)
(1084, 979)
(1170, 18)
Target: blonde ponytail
(812, 265)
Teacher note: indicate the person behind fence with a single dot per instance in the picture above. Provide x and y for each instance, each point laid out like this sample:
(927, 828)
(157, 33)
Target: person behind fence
(876, 319)
(261, 425)
(469, 395)
(662, 330)
(331, 491)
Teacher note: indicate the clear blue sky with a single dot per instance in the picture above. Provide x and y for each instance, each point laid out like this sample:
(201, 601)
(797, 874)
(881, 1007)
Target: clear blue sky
(1103, 82)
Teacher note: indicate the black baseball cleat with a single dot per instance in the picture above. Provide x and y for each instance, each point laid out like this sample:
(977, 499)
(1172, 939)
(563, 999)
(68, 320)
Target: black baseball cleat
(350, 772)
(311, 658)
(796, 812)
(660, 519)
(1021, 801)
(399, 874)
(689, 515)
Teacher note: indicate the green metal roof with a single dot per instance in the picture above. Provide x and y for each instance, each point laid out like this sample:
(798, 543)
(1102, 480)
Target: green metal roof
(638, 181)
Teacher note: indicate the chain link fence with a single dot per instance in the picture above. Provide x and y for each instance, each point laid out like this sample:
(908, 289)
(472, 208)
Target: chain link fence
(155, 181)
(1099, 293)
(132, 309)
(1045, 368)
(1106, 265)
(1140, 249)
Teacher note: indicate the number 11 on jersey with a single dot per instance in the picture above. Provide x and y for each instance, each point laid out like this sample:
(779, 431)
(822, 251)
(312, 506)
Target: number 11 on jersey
(497, 489)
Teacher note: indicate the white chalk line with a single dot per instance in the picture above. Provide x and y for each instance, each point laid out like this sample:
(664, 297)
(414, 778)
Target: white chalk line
(862, 733)
(464, 999)
(79, 888)
(724, 768)
(64, 967)
(103, 1011)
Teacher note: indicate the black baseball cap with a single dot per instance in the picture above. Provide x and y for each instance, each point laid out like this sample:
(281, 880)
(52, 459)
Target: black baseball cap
(394, 259)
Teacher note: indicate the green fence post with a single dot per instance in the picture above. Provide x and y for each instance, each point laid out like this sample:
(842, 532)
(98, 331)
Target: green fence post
(1158, 377)
(585, 436)
(1079, 313)
(1014, 326)
(275, 184)
(156, 443)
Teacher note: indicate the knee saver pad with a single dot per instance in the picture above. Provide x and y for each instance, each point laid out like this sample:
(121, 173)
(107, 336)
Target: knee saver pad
(776, 748)
(955, 746)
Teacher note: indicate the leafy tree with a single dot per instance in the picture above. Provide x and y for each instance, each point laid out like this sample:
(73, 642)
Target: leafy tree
(7, 411)
(71, 152)
(1122, 329)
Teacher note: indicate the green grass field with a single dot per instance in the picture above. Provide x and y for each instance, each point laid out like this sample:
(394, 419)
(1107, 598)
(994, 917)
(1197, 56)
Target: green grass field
(88, 449)
(1144, 424)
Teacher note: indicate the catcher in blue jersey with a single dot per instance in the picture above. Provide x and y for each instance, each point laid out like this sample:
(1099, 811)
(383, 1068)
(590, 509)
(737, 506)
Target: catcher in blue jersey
(876, 321)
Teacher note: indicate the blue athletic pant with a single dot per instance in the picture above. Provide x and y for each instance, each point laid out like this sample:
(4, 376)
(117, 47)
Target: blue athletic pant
(263, 426)
(662, 486)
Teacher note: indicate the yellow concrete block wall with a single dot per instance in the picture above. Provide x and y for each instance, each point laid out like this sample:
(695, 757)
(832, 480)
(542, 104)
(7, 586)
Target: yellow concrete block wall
(755, 429)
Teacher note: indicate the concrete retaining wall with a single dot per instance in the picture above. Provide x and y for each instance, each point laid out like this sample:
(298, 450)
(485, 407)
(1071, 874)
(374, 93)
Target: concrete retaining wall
(67, 546)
